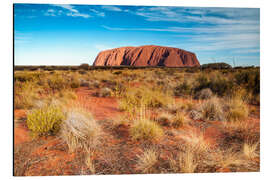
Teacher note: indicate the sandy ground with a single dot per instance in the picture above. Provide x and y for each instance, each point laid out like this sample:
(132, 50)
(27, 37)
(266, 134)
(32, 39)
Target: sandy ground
(51, 157)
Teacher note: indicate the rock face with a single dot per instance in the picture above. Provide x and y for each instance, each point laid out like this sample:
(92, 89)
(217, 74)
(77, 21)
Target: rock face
(147, 56)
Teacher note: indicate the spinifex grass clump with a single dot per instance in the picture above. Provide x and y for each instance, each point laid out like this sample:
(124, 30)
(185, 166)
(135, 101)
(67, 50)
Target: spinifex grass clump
(238, 110)
(143, 96)
(145, 129)
(212, 110)
(147, 161)
(80, 130)
(45, 120)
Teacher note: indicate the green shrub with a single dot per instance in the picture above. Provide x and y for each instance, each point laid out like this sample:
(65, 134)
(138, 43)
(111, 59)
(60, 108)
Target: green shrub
(250, 79)
(45, 120)
(183, 89)
(57, 82)
(218, 84)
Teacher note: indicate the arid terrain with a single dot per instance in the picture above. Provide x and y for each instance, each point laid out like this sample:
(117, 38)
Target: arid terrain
(134, 121)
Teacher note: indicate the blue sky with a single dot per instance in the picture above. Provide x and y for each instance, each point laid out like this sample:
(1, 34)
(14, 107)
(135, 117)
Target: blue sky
(74, 34)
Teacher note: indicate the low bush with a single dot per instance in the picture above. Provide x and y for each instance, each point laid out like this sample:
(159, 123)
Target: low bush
(218, 84)
(57, 82)
(183, 89)
(25, 95)
(134, 98)
(74, 83)
(250, 79)
(45, 120)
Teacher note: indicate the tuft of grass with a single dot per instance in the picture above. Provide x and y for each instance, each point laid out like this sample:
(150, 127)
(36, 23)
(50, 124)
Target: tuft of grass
(25, 94)
(204, 94)
(145, 129)
(249, 150)
(134, 98)
(229, 159)
(238, 110)
(197, 141)
(67, 94)
(212, 110)
(45, 120)
(89, 162)
(80, 130)
(178, 120)
(105, 92)
(147, 161)
(186, 162)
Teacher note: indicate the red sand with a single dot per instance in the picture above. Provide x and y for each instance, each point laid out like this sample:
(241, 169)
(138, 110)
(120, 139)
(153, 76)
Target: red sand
(54, 161)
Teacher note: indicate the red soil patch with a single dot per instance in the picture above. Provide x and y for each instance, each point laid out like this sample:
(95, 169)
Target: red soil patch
(21, 133)
(51, 160)
(101, 107)
(19, 113)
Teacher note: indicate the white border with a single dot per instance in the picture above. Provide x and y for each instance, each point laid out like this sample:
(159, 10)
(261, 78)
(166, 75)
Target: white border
(6, 83)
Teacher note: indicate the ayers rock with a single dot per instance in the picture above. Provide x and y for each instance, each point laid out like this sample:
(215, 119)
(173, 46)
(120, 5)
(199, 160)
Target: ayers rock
(147, 56)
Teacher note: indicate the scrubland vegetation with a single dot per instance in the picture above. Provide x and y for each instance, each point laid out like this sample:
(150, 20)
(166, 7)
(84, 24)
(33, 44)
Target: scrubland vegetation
(165, 120)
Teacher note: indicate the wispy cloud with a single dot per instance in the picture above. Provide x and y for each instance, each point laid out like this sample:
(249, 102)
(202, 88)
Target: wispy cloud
(215, 28)
(112, 8)
(67, 10)
(200, 15)
(98, 13)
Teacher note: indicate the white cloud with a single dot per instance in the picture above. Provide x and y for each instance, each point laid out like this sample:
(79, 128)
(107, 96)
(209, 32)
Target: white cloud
(70, 11)
(112, 8)
(98, 13)
(200, 15)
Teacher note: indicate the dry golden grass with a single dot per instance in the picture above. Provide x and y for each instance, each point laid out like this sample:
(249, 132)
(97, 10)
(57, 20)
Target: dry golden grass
(238, 110)
(89, 162)
(212, 109)
(197, 141)
(249, 150)
(186, 162)
(145, 129)
(80, 129)
(147, 161)
(228, 159)
(179, 120)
